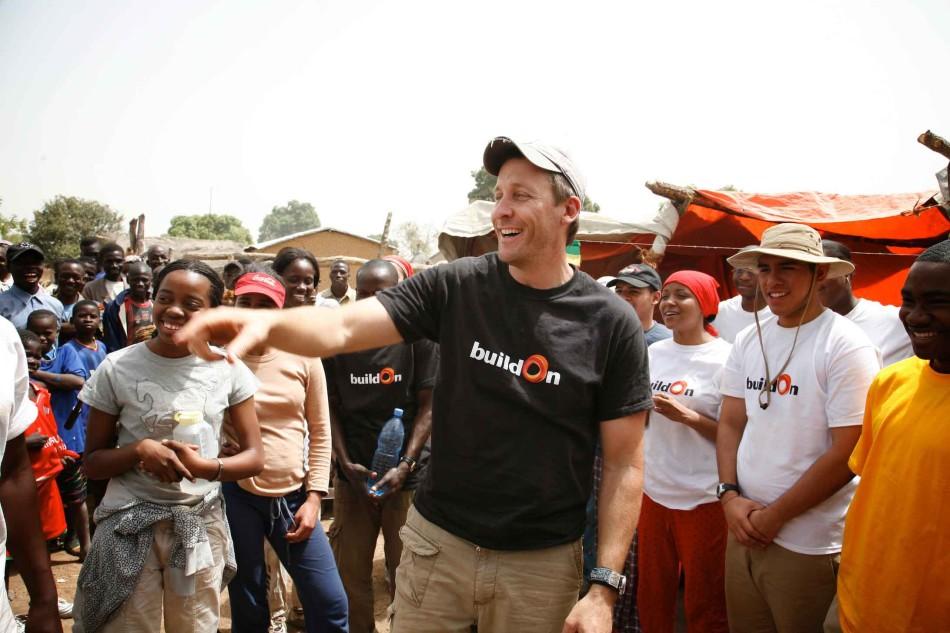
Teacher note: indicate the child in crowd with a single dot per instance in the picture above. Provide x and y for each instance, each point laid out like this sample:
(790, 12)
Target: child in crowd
(128, 319)
(162, 550)
(63, 374)
(48, 453)
(80, 356)
(45, 324)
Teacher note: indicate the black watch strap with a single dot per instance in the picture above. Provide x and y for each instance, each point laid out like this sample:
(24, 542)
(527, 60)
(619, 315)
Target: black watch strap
(723, 488)
(608, 578)
(412, 463)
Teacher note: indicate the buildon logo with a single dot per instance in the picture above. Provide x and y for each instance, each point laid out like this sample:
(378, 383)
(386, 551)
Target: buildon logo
(386, 376)
(675, 388)
(533, 368)
(782, 385)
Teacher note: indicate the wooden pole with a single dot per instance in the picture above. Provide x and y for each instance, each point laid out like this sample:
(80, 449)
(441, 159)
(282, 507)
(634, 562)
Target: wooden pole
(385, 236)
(674, 193)
(936, 143)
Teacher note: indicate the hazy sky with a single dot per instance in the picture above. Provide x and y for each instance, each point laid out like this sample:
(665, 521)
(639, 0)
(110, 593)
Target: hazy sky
(363, 107)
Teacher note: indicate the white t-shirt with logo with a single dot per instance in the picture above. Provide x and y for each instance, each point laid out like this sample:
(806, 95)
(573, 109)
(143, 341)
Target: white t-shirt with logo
(16, 414)
(883, 326)
(823, 387)
(680, 464)
(732, 319)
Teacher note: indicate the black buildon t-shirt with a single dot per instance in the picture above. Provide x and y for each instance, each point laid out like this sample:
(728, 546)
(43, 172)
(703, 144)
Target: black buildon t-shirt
(365, 387)
(525, 376)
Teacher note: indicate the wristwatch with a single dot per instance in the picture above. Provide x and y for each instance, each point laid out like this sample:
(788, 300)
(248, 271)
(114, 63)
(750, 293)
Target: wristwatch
(723, 488)
(608, 578)
(412, 463)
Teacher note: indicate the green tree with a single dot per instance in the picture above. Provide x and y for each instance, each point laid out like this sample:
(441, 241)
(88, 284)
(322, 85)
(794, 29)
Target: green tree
(292, 218)
(64, 220)
(590, 205)
(209, 226)
(484, 188)
(413, 240)
(12, 228)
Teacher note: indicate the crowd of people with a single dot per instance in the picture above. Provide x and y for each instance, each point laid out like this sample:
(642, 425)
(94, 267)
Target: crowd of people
(577, 453)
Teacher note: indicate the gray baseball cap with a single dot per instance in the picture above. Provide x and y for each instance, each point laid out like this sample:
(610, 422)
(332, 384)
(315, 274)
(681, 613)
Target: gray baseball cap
(541, 155)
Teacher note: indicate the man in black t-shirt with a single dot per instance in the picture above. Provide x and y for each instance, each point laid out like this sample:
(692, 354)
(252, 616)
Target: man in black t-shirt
(364, 388)
(535, 359)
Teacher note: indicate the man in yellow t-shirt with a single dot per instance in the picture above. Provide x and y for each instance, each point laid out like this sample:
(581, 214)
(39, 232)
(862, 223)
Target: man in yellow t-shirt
(896, 555)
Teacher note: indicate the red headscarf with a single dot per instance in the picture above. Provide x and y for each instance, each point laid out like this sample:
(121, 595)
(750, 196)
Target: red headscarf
(703, 288)
(402, 262)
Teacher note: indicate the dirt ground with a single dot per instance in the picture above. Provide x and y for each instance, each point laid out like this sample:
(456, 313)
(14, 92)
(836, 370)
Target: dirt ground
(66, 570)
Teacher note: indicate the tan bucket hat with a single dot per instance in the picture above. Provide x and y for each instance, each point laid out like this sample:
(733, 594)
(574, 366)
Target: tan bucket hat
(791, 241)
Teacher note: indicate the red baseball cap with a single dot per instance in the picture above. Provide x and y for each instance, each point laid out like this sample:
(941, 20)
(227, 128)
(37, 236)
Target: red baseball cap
(262, 284)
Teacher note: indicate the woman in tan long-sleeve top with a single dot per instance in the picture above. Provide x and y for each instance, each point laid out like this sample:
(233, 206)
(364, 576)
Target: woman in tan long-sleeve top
(282, 503)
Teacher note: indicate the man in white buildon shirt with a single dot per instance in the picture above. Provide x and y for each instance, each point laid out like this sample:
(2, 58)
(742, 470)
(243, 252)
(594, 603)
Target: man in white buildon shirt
(880, 322)
(793, 390)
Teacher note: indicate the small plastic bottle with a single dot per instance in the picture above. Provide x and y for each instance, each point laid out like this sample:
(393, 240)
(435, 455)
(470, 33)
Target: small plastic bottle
(192, 429)
(388, 448)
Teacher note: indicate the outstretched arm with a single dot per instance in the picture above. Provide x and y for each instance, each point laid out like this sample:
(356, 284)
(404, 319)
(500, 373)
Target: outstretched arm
(306, 331)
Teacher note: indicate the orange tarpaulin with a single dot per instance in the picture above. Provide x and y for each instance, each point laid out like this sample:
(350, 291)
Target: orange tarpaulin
(885, 232)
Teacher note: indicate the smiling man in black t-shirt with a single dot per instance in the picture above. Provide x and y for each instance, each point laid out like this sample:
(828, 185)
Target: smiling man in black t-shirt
(536, 359)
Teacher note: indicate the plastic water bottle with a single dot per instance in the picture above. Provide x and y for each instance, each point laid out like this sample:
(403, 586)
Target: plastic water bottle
(192, 429)
(388, 447)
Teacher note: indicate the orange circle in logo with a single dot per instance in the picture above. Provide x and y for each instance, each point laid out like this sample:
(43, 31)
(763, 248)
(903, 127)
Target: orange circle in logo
(678, 387)
(783, 384)
(535, 368)
(386, 376)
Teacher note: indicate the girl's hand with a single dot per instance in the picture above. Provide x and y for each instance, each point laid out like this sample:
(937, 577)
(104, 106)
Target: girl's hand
(673, 409)
(189, 456)
(161, 462)
(307, 518)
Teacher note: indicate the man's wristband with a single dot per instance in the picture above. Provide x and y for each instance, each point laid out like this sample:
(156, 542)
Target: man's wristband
(410, 462)
(608, 578)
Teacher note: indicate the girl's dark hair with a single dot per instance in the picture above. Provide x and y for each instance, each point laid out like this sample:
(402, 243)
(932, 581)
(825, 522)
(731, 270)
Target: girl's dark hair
(27, 336)
(85, 303)
(289, 254)
(199, 267)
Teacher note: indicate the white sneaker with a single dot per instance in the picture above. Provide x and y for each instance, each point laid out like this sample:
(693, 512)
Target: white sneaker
(20, 624)
(65, 608)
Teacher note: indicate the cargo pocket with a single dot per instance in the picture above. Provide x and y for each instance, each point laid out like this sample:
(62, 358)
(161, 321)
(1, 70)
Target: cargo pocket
(415, 567)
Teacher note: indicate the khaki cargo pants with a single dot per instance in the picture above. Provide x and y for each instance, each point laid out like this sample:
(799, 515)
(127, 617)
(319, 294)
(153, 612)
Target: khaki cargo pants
(445, 584)
(775, 590)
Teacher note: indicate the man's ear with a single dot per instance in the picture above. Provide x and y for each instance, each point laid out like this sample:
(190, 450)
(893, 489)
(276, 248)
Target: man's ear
(572, 209)
(822, 272)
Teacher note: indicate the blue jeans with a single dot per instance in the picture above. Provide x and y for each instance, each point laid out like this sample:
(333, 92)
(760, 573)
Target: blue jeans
(310, 563)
